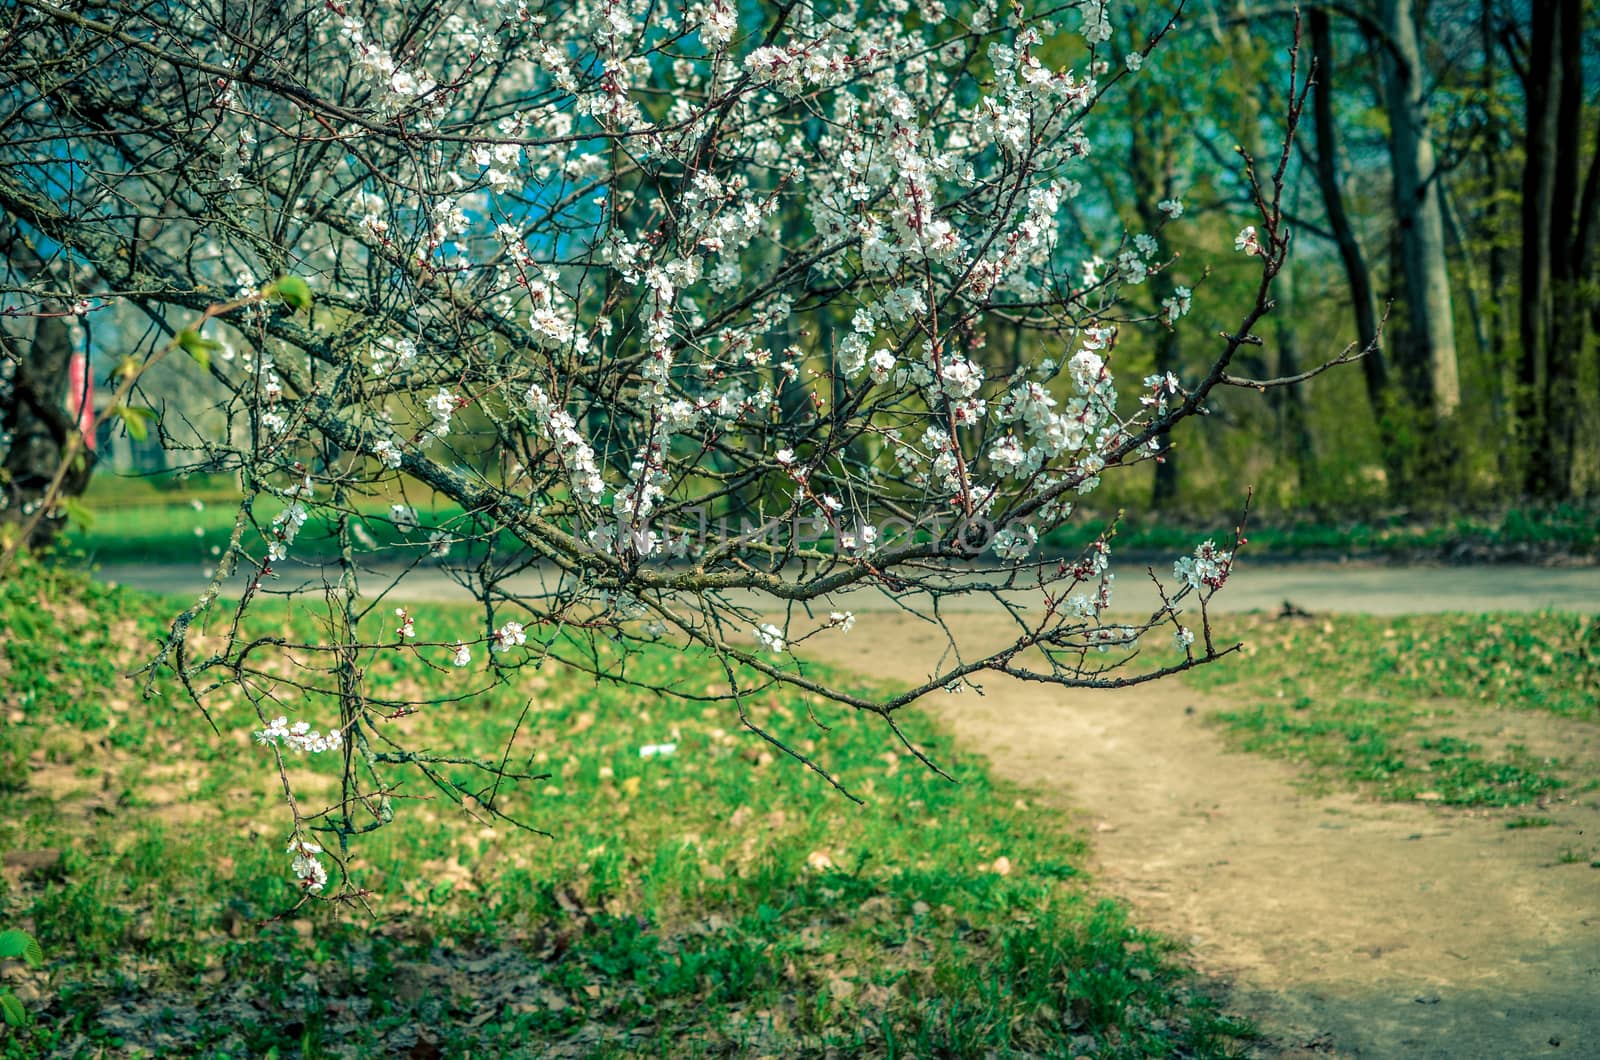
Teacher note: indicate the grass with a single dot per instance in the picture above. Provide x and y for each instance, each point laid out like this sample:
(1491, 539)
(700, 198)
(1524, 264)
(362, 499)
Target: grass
(1466, 710)
(153, 520)
(1512, 534)
(156, 527)
(711, 902)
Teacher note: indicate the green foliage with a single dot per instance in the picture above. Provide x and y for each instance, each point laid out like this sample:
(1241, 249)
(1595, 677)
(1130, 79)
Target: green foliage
(1515, 533)
(719, 899)
(17, 946)
(197, 347)
(1422, 707)
(293, 291)
(20, 946)
(78, 514)
(135, 419)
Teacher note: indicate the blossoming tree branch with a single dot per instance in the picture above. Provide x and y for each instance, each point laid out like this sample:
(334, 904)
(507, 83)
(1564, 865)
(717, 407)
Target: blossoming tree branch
(683, 313)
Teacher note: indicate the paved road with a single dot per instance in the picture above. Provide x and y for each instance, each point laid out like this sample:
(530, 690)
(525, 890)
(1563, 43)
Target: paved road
(1316, 587)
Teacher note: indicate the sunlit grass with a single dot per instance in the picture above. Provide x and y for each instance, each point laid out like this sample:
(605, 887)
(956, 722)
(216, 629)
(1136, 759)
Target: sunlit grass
(715, 900)
(1471, 710)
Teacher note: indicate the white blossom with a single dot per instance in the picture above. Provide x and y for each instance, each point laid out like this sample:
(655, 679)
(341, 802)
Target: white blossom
(299, 736)
(1207, 568)
(307, 868)
(770, 636)
(509, 636)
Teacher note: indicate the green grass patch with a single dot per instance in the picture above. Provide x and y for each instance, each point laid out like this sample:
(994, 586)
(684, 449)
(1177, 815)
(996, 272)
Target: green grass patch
(1513, 534)
(714, 901)
(197, 531)
(1468, 710)
(152, 519)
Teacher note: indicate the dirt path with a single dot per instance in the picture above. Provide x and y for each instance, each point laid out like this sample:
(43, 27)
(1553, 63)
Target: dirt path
(1345, 927)
(1370, 588)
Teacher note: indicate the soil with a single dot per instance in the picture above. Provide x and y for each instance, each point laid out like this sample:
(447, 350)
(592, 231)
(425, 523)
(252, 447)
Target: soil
(1344, 927)
(1368, 588)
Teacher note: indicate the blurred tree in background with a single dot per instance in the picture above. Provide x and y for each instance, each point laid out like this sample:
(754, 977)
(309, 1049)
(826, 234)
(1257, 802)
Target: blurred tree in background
(1443, 192)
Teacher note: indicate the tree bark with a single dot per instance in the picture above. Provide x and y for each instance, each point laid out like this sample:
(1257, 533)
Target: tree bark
(36, 420)
(1330, 184)
(1501, 371)
(1568, 321)
(1538, 193)
(1429, 352)
(1358, 274)
(33, 412)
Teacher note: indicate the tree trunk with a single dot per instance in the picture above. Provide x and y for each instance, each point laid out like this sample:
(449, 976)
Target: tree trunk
(1329, 183)
(35, 418)
(1502, 373)
(1358, 276)
(1567, 330)
(1429, 354)
(1538, 192)
(33, 411)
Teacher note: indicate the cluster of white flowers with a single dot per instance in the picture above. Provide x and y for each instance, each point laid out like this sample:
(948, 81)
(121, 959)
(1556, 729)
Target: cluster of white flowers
(716, 21)
(389, 355)
(1208, 568)
(573, 450)
(1177, 305)
(793, 69)
(299, 737)
(1015, 542)
(285, 528)
(509, 636)
(883, 179)
(862, 538)
(1162, 388)
(1096, 21)
(770, 637)
(398, 84)
(237, 153)
(1104, 638)
(387, 452)
(843, 621)
(310, 871)
(441, 406)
